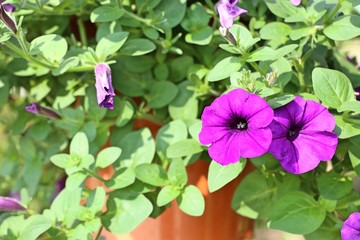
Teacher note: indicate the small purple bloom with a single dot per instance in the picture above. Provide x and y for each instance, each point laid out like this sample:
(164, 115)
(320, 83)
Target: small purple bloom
(295, 2)
(10, 204)
(37, 109)
(8, 7)
(357, 93)
(104, 89)
(302, 135)
(236, 125)
(5, 18)
(351, 227)
(228, 11)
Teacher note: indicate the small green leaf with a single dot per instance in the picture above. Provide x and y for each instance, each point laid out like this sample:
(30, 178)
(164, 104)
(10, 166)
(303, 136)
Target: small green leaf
(280, 101)
(151, 174)
(191, 201)
(61, 160)
(296, 213)
(107, 157)
(79, 145)
(126, 112)
(353, 106)
(35, 225)
(184, 148)
(65, 65)
(110, 44)
(137, 47)
(96, 199)
(106, 14)
(332, 87)
(167, 194)
(275, 30)
(219, 175)
(343, 28)
(224, 69)
(333, 186)
(161, 94)
(52, 47)
(125, 211)
(200, 36)
(123, 177)
(177, 173)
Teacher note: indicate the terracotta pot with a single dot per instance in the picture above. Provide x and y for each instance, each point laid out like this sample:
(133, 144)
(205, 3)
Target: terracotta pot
(218, 222)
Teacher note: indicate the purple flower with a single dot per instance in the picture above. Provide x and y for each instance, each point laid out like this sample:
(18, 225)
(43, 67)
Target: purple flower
(37, 109)
(7, 6)
(302, 135)
(10, 204)
(295, 2)
(351, 227)
(228, 11)
(357, 93)
(236, 125)
(104, 89)
(5, 18)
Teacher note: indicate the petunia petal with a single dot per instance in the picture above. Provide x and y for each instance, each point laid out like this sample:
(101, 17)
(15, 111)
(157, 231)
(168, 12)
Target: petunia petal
(317, 117)
(255, 142)
(10, 204)
(228, 11)
(351, 227)
(278, 129)
(295, 2)
(209, 135)
(226, 150)
(257, 111)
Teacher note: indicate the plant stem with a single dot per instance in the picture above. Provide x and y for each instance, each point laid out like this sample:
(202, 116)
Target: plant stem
(98, 235)
(257, 68)
(93, 174)
(82, 32)
(333, 12)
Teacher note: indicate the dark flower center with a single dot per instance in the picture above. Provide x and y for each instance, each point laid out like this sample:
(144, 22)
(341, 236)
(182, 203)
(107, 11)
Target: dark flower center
(293, 133)
(239, 123)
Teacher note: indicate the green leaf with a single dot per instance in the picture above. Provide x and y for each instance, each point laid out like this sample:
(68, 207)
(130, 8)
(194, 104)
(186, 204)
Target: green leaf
(353, 106)
(96, 199)
(333, 186)
(126, 112)
(52, 47)
(167, 194)
(62, 160)
(354, 155)
(106, 14)
(168, 134)
(219, 175)
(280, 101)
(107, 157)
(343, 28)
(296, 213)
(243, 36)
(275, 30)
(262, 54)
(35, 225)
(79, 145)
(137, 147)
(177, 173)
(173, 12)
(332, 87)
(136, 47)
(200, 36)
(185, 105)
(184, 148)
(327, 230)
(345, 129)
(161, 94)
(65, 65)
(224, 69)
(125, 211)
(122, 178)
(151, 174)
(191, 201)
(110, 44)
(255, 192)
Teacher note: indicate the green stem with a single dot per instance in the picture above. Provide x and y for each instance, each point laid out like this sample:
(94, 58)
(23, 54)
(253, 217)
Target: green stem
(257, 68)
(136, 17)
(82, 32)
(98, 235)
(333, 12)
(81, 69)
(150, 118)
(93, 174)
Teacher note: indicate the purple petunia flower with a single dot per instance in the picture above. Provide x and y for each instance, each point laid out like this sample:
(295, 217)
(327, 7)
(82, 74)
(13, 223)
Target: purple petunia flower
(351, 227)
(7, 6)
(37, 109)
(236, 125)
(104, 89)
(10, 204)
(302, 135)
(5, 18)
(295, 2)
(228, 11)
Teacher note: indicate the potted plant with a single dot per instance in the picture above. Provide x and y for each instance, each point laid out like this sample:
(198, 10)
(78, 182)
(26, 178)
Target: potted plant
(119, 112)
